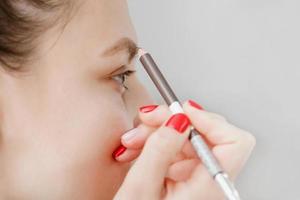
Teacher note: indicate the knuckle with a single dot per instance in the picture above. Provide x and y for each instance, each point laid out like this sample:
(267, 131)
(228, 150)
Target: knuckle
(161, 141)
(249, 138)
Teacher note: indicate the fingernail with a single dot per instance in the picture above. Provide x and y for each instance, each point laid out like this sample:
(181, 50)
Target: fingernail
(149, 108)
(130, 134)
(179, 122)
(119, 151)
(195, 105)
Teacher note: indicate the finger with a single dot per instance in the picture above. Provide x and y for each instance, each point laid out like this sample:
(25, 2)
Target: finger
(182, 170)
(232, 158)
(150, 118)
(188, 150)
(214, 127)
(159, 151)
(154, 115)
(200, 178)
(136, 137)
(232, 146)
(128, 155)
(136, 142)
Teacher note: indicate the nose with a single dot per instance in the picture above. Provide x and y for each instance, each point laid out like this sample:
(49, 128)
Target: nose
(142, 97)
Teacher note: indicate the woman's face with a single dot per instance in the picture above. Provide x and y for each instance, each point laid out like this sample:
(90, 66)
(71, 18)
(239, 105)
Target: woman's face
(61, 122)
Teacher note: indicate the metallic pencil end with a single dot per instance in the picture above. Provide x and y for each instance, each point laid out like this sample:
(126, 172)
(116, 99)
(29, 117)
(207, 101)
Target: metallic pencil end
(227, 186)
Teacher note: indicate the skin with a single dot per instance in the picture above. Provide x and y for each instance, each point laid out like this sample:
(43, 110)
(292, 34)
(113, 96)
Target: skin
(170, 167)
(61, 121)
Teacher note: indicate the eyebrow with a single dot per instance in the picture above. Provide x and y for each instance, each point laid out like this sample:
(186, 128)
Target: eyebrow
(121, 45)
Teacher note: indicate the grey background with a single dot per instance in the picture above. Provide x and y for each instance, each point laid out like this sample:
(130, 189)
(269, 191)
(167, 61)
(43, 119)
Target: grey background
(239, 59)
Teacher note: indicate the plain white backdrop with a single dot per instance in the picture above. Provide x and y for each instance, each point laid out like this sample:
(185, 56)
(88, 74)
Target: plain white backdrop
(240, 59)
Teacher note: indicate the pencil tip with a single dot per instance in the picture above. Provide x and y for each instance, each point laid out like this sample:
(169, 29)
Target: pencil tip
(141, 52)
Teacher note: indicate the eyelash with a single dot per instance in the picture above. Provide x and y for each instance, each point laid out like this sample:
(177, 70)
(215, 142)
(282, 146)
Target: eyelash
(123, 77)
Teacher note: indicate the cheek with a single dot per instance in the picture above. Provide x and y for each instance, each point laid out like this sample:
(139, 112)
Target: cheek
(91, 124)
(72, 135)
(88, 131)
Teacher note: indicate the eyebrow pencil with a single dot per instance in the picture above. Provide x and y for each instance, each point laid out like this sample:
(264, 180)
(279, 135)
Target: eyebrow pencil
(200, 146)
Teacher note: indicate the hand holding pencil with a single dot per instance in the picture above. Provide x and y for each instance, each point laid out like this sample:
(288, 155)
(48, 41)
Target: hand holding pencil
(168, 167)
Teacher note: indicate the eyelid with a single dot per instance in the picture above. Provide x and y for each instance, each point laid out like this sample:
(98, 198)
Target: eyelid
(118, 70)
(126, 72)
(122, 69)
(123, 77)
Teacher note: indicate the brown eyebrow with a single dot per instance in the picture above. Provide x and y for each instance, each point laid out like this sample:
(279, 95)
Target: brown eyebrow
(121, 45)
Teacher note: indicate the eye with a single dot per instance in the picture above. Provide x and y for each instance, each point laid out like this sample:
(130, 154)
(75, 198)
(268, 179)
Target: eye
(121, 78)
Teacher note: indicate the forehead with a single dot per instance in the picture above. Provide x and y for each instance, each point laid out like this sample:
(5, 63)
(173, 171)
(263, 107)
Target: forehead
(106, 19)
(94, 26)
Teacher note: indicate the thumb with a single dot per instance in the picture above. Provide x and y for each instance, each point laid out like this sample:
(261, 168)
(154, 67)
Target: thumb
(161, 148)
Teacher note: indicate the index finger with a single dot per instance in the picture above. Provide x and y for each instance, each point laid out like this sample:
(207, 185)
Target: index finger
(214, 127)
(160, 149)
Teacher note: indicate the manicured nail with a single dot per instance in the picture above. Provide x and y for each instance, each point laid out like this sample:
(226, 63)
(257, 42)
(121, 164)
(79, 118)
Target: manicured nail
(149, 108)
(195, 105)
(179, 122)
(130, 134)
(119, 151)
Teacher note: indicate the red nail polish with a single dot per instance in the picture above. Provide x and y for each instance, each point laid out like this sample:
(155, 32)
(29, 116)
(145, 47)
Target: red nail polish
(119, 151)
(148, 108)
(195, 105)
(179, 122)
